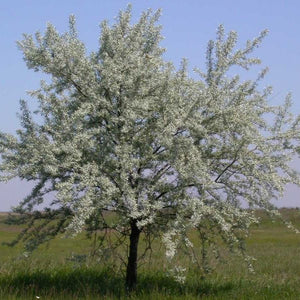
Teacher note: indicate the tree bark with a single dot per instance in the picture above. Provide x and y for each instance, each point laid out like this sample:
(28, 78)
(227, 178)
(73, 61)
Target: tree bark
(131, 273)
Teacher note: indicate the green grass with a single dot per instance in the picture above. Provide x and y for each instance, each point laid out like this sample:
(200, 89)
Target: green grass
(49, 275)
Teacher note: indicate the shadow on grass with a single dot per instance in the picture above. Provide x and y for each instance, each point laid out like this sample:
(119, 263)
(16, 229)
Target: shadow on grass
(80, 282)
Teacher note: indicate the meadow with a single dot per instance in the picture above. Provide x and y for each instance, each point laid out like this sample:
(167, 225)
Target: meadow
(61, 270)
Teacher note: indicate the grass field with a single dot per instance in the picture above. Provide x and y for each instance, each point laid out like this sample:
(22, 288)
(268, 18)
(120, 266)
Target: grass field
(48, 273)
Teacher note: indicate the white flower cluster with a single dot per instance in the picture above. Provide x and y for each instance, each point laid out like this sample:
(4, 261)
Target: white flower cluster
(124, 131)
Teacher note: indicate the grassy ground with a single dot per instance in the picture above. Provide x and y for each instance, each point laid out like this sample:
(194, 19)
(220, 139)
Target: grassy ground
(48, 275)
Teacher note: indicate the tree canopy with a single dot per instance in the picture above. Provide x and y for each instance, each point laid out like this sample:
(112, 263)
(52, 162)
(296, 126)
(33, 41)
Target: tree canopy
(165, 149)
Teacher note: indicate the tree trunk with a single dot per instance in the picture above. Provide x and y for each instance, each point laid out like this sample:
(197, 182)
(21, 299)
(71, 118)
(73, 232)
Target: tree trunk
(131, 273)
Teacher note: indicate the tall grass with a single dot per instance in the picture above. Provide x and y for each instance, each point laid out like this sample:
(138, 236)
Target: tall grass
(49, 275)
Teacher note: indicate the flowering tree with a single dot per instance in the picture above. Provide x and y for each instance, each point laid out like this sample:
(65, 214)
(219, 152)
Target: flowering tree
(121, 130)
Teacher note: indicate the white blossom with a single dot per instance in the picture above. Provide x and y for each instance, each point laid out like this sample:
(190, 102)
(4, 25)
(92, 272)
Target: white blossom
(122, 130)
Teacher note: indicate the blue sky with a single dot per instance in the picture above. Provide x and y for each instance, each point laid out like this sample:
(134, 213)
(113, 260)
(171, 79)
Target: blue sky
(187, 27)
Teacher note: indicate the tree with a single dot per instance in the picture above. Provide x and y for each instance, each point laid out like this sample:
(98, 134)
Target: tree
(121, 130)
